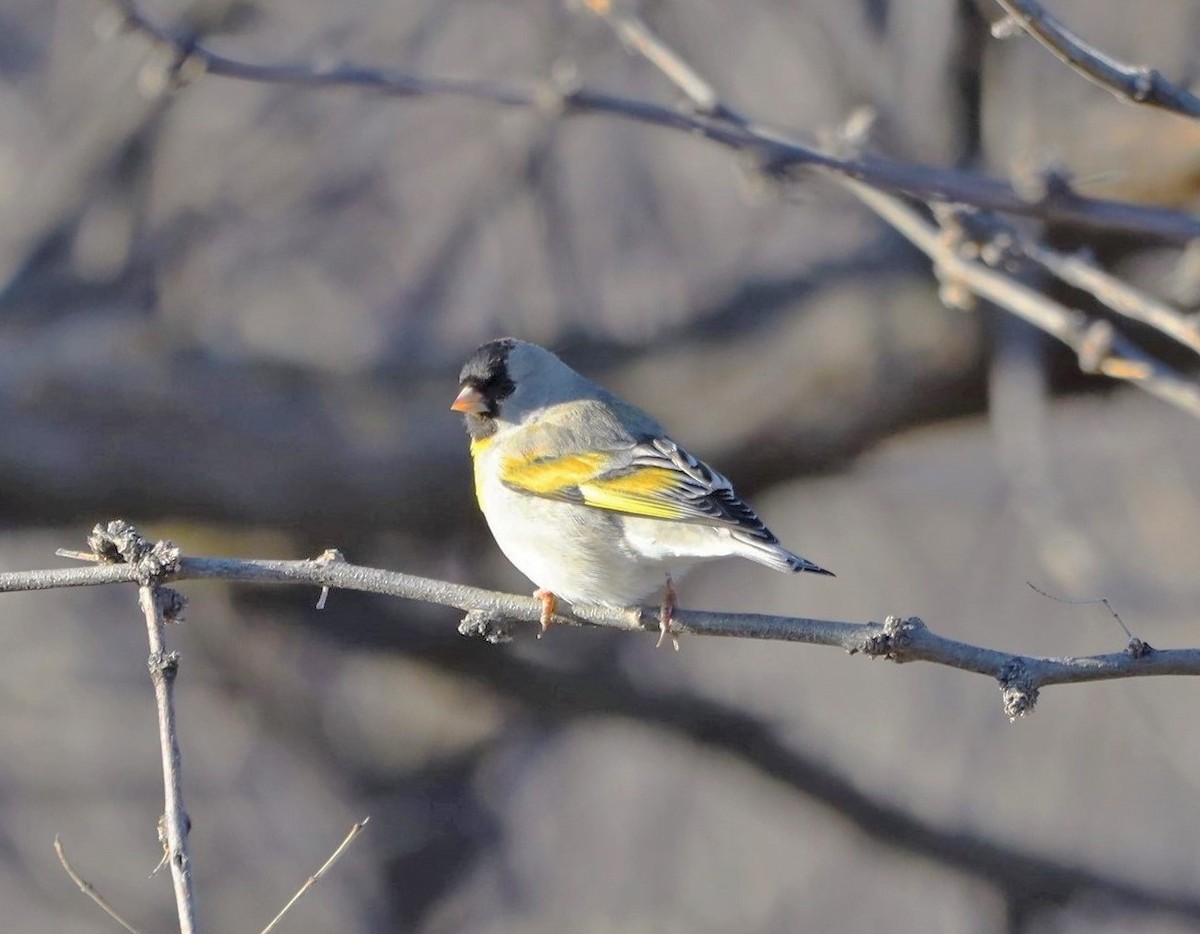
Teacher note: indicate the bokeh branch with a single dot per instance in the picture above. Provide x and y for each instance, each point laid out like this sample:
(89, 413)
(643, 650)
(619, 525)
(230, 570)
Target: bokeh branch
(491, 615)
(969, 260)
(1081, 273)
(1099, 347)
(1138, 84)
(190, 58)
(875, 181)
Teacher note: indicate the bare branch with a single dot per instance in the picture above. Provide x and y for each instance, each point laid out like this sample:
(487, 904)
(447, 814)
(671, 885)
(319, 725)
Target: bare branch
(1138, 84)
(118, 544)
(493, 614)
(316, 876)
(776, 150)
(89, 890)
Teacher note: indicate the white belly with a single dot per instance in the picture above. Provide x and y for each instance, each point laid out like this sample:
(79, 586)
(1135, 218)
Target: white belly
(592, 556)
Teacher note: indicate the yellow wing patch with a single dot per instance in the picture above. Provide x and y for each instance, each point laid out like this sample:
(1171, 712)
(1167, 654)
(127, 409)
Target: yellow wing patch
(580, 477)
(645, 491)
(552, 476)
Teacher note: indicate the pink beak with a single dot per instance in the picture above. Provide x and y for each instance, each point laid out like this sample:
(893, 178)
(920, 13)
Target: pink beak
(469, 400)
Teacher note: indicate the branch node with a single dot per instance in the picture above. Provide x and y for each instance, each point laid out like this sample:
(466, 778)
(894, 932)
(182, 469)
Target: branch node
(1137, 648)
(1144, 84)
(975, 234)
(480, 624)
(172, 604)
(189, 68)
(325, 558)
(165, 841)
(1042, 184)
(954, 293)
(1006, 27)
(850, 138)
(118, 542)
(1096, 346)
(163, 664)
(892, 640)
(1017, 689)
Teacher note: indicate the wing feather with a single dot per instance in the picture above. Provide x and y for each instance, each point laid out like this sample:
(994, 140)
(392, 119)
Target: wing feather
(653, 477)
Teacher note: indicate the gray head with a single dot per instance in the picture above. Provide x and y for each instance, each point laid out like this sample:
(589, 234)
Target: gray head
(507, 380)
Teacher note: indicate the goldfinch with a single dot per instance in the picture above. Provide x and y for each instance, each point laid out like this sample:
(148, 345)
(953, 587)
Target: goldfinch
(587, 495)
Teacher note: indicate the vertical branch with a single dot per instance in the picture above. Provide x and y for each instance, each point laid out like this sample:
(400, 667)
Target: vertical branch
(175, 824)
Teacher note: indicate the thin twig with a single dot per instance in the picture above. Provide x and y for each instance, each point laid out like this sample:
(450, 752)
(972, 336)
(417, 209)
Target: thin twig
(316, 876)
(1087, 601)
(163, 667)
(1137, 84)
(1019, 676)
(777, 150)
(636, 35)
(89, 890)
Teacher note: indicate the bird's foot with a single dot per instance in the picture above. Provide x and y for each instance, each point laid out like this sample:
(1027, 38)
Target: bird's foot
(549, 605)
(666, 613)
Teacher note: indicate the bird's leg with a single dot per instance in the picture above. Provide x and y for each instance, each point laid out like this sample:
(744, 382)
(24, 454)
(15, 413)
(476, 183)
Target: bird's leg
(549, 605)
(666, 612)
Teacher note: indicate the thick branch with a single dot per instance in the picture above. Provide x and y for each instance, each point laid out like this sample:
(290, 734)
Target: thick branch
(1137, 84)
(491, 613)
(773, 149)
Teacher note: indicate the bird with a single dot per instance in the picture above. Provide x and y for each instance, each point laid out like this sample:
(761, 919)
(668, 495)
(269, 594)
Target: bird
(587, 495)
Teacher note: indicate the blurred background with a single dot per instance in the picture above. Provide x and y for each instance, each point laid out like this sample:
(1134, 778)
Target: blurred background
(235, 313)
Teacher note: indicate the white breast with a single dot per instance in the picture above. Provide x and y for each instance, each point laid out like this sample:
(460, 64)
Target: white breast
(588, 555)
